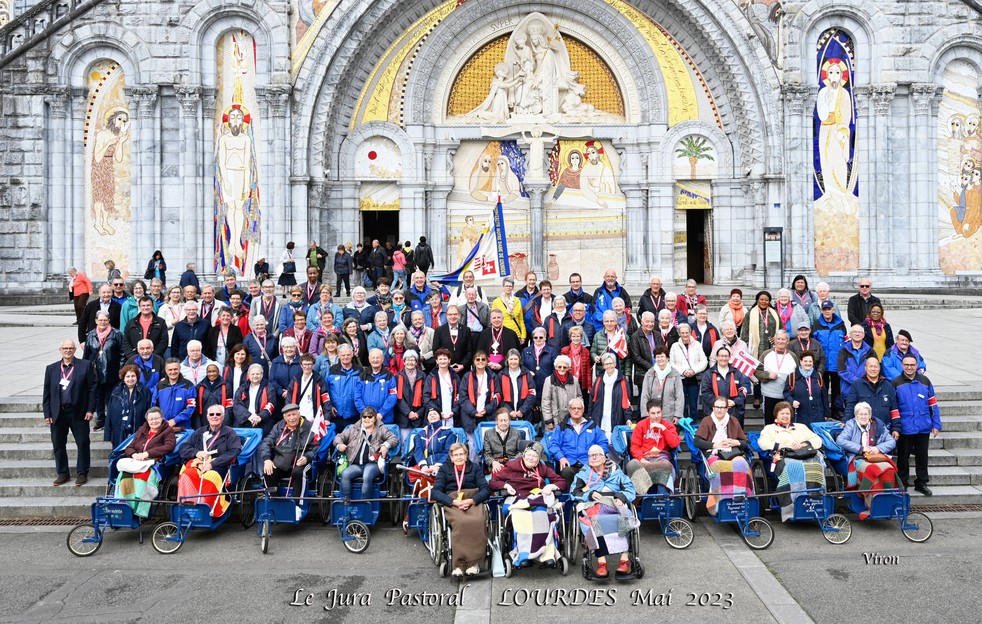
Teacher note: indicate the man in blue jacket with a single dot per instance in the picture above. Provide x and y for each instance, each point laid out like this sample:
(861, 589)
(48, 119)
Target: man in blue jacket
(830, 332)
(569, 444)
(603, 298)
(342, 380)
(176, 396)
(852, 360)
(376, 388)
(874, 389)
(920, 419)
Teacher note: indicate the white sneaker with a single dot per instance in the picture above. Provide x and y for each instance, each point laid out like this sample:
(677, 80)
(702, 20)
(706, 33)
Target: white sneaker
(457, 572)
(471, 571)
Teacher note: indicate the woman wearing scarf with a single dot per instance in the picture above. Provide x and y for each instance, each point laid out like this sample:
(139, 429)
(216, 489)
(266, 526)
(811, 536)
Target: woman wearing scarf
(353, 336)
(611, 340)
(172, 311)
(625, 320)
(611, 397)
(784, 309)
(440, 390)
(604, 493)
(879, 334)
(734, 310)
(867, 442)
(104, 348)
(137, 480)
(663, 382)
(399, 343)
(477, 396)
(409, 394)
(211, 391)
(501, 443)
(677, 315)
(316, 312)
(539, 358)
(321, 332)
(798, 466)
(804, 389)
(666, 332)
(299, 332)
(262, 345)
(127, 406)
(254, 402)
(517, 388)
(722, 439)
(559, 389)
(580, 362)
(531, 506)
(462, 490)
(366, 446)
(400, 312)
(423, 337)
(759, 327)
(287, 310)
(380, 337)
(511, 307)
(652, 441)
(328, 356)
(554, 324)
(284, 368)
(223, 338)
(308, 391)
(207, 455)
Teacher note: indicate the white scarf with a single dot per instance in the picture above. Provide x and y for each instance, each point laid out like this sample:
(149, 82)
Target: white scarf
(721, 429)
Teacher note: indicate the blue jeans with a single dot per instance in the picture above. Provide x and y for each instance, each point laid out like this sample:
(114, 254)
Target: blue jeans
(400, 279)
(368, 473)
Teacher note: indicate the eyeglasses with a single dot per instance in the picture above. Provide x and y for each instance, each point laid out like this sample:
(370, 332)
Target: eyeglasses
(215, 414)
(864, 285)
(538, 337)
(368, 418)
(719, 407)
(480, 359)
(596, 455)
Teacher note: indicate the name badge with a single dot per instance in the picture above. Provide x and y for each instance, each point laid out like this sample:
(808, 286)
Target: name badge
(64, 383)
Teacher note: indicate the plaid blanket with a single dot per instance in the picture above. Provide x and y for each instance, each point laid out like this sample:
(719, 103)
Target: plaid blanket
(192, 484)
(653, 474)
(140, 488)
(864, 475)
(730, 478)
(533, 523)
(795, 476)
(600, 525)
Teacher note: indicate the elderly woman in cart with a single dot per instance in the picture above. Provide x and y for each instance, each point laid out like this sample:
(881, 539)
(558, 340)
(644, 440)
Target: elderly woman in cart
(208, 453)
(532, 487)
(797, 464)
(137, 480)
(866, 442)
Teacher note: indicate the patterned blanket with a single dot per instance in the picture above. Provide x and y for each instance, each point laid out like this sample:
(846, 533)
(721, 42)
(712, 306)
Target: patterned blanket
(600, 524)
(533, 522)
(864, 475)
(140, 488)
(795, 476)
(208, 486)
(730, 478)
(653, 474)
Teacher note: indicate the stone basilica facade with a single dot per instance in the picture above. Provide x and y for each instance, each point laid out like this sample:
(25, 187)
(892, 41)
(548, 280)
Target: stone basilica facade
(721, 140)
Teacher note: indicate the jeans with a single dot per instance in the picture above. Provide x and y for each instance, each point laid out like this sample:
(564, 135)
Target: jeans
(367, 472)
(76, 423)
(400, 280)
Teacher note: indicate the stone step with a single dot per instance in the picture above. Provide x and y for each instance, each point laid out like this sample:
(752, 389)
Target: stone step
(948, 495)
(959, 408)
(42, 450)
(955, 457)
(40, 488)
(945, 394)
(22, 419)
(10, 435)
(21, 404)
(955, 475)
(45, 469)
(957, 440)
(954, 424)
(47, 507)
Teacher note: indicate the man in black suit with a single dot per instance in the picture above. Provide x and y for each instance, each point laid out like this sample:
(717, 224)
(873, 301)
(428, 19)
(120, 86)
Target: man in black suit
(456, 338)
(496, 340)
(69, 403)
(105, 303)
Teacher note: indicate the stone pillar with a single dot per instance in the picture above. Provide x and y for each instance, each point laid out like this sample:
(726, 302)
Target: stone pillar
(755, 197)
(412, 213)
(285, 225)
(886, 197)
(75, 202)
(800, 237)
(306, 197)
(635, 265)
(60, 235)
(345, 216)
(194, 214)
(660, 234)
(537, 248)
(436, 206)
(206, 189)
(865, 158)
(145, 207)
(923, 223)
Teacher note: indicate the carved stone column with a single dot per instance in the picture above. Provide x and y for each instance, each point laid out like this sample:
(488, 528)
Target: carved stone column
(886, 197)
(635, 263)
(195, 215)
(75, 199)
(537, 248)
(755, 196)
(923, 222)
(145, 205)
(865, 157)
(60, 234)
(280, 224)
(660, 233)
(205, 147)
(800, 238)
(436, 207)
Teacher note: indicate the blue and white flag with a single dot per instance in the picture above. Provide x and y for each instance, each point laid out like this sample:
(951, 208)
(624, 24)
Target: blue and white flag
(488, 259)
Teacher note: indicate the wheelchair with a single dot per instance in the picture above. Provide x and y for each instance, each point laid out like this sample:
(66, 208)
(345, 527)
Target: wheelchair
(885, 505)
(741, 510)
(664, 507)
(525, 428)
(439, 541)
(402, 487)
(589, 559)
(169, 536)
(814, 504)
(114, 512)
(559, 526)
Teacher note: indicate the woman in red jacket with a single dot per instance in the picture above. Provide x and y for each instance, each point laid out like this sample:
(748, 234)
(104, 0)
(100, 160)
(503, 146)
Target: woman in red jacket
(651, 466)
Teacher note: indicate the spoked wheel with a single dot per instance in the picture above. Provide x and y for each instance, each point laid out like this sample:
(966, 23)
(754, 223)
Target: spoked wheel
(396, 508)
(680, 534)
(84, 540)
(264, 536)
(573, 541)
(563, 565)
(247, 500)
(759, 534)
(357, 536)
(837, 529)
(435, 543)
(325, 489)
(690, 487)
(761, 486)
(165, 538)
(917, 527)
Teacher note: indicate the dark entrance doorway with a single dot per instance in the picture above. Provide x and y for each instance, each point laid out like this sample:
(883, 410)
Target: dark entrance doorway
(698, 251)
(380, 224)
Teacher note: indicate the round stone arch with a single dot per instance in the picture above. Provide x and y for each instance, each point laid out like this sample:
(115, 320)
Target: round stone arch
(207, 21)
(868, 31)
(721, 144)
(72, 59)
(346, 157)
(955, 43)
(624, 50)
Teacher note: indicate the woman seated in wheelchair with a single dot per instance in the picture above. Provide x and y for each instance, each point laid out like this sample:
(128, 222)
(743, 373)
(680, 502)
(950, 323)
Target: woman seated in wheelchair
(365, 446)
(796, 463)
(721, 437)
(462, 490)
(136, 479)
(431, 449)
(866, 441)
(501, 443)
(532, 487)
(208, 453)
(604, 513)
(652, 442)
(288, 451)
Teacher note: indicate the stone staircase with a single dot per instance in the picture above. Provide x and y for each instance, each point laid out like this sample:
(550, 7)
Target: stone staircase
(27, 466)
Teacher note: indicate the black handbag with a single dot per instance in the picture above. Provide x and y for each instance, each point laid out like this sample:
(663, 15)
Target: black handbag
(802, 453)
(290, 267)
(728, 454)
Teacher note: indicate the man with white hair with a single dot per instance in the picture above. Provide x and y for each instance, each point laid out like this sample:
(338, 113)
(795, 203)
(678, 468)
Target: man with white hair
(641, 347)
(653, 299)
(823, 293)
(192, 327)
(458, 295)
(775, 366)
(603, 297)
(376, 388)
(194, 367)
(572, 440)
(578, 317)
(210, 306)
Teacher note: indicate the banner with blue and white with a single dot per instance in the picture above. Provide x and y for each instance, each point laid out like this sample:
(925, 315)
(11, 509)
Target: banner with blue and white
(488, 259)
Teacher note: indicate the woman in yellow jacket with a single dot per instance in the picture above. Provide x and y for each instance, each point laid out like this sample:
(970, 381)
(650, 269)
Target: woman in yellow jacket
(511, 306)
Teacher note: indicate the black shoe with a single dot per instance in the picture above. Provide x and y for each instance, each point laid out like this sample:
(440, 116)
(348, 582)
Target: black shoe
(99, 426)
(81, 479)
(62, 479)
(923, 489)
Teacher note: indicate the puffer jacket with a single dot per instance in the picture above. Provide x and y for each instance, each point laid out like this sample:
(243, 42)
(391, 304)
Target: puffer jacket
(851, 364)
(611, 480)
(177, 402)
(831, 335)
(919, 411)
(567, 444)
(341, 384)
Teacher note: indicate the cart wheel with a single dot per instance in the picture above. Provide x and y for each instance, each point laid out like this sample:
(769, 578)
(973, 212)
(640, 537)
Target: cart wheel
(357, 537)
(837, 529)
(680, 533)
(435, 543)
(84, 540)
(247, 501)
(264, 537)
(690, 487)
(764, 533)
(110, 486)
(761, 486)
(833, 483)
(917, 527)
(168, 492)
(166, 538)
(396, 508)
(638, 568)
(509, 566)
(573, 538)
(444, 569)
(563, 565)
(325, 490)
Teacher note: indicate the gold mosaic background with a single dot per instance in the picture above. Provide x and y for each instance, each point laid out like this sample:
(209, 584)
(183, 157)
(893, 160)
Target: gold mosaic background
(472, 83)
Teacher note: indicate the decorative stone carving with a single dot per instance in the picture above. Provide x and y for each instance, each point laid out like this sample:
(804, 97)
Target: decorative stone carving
(188, 96)
(795, 95)
(882, 96)
(278, 97)
(146, 97)
(59, 98)
(923, 96)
